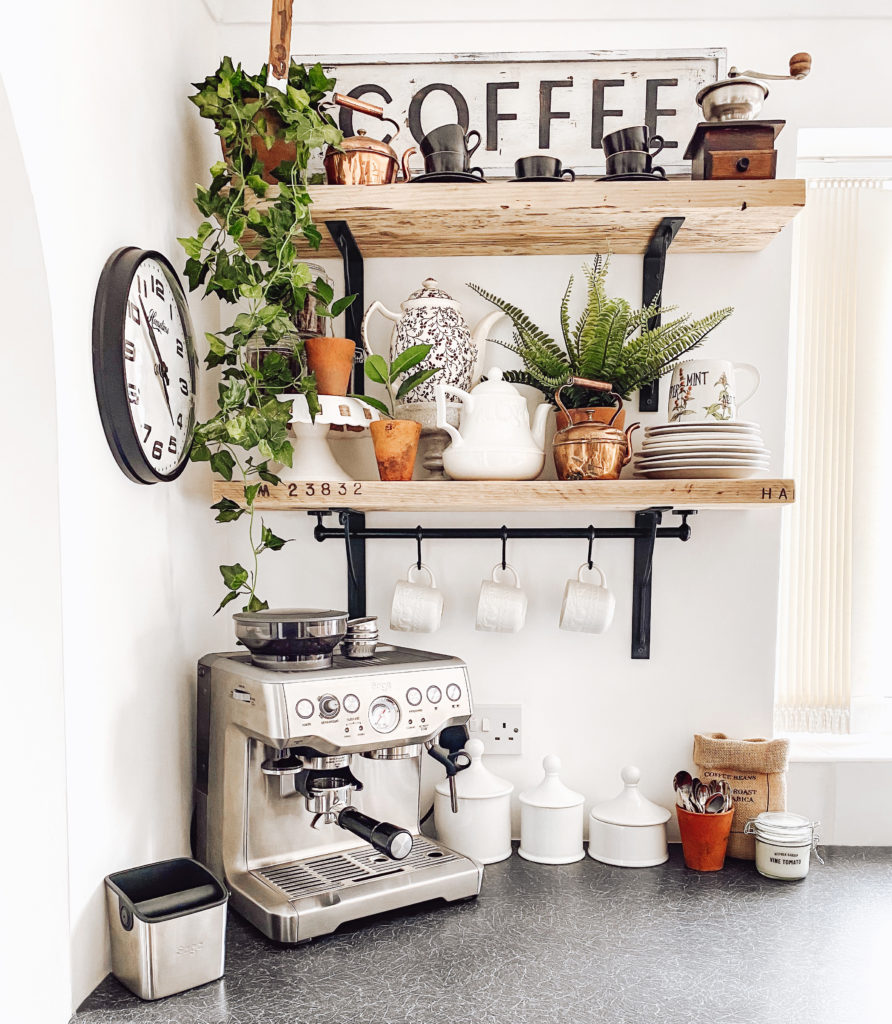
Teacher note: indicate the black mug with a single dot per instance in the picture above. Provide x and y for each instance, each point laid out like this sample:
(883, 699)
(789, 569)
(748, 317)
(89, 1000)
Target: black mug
(446, 162)
(450, 138)
(627, 139)
(633, 162)
(541, 167)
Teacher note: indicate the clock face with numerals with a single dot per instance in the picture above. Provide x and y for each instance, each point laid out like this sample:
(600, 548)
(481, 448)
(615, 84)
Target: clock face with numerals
(144, 365)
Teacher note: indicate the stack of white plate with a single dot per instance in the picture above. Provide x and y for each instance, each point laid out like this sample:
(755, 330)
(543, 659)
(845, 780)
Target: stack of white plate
(698, 451)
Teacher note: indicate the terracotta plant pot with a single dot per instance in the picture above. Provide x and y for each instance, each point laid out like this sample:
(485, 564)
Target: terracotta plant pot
(280, 152)
(595, 413)
(396, 445)
(331, 359)
(704, 838)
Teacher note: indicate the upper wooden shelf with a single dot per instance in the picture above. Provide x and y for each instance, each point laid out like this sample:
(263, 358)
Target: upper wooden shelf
(514, 218)
(480, 496)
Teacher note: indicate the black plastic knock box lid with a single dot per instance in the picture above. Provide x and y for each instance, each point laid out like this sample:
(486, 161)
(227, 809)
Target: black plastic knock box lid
(166, 889)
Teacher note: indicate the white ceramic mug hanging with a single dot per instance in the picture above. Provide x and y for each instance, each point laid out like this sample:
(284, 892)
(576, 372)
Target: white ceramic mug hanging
(501, 607)
(416, 607)
(587, 607)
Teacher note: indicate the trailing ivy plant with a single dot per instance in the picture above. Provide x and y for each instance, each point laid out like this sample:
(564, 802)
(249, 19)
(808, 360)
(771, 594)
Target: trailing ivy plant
(246, 252)
(610, 341)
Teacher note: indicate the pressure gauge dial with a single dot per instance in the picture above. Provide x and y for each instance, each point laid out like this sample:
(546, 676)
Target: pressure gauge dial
(384, 714)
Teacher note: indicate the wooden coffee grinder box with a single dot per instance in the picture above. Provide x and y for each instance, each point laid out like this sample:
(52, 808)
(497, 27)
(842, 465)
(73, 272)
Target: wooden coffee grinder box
(725, 150)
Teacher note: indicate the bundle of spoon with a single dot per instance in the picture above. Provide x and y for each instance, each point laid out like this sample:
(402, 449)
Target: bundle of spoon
(713, 797)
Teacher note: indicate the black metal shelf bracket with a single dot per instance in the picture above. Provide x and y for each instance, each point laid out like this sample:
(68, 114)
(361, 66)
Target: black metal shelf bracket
(647, 530)
(652, 286)
(354, 284)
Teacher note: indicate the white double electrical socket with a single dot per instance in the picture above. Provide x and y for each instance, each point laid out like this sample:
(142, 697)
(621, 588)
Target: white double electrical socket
(499, 726)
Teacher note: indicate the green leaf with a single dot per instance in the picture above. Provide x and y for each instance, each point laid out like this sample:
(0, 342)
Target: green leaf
(200, 452)
(340, 305)
(269, 477)
(251, 493)
(408, 359)
(215, 344)
(376, 369)
(324, 290)
(234, 576)
(222, 462)
(417, 378)
(192, 247)
(269, 540)
(255, 604)
(231, 596)
(227, 511)
(251, 291)
(374, 403)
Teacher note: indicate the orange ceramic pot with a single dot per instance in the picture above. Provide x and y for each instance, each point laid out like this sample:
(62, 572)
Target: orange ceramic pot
(595, 413)
(396, 445)
(704, 838)
(331, 359)
(281, 150)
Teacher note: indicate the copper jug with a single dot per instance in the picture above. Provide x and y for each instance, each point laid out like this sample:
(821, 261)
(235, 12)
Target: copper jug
(590, 450)
(360, 160)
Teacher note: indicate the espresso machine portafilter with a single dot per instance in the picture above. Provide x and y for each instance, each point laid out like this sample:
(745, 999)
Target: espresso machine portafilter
(309, 772)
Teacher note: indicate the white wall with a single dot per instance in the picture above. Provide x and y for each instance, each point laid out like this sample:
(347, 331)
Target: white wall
(715, 599)
(34, 742)
(112, 147)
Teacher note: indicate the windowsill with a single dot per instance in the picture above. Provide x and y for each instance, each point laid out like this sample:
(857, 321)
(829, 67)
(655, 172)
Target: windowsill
(823, 747)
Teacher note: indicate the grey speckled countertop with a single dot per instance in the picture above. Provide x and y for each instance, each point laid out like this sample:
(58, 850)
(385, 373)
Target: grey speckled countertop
(583, 942)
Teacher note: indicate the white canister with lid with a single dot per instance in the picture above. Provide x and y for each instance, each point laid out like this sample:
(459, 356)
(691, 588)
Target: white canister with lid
(481, 828)
(784, 842)
(630, 830)
(551, 819)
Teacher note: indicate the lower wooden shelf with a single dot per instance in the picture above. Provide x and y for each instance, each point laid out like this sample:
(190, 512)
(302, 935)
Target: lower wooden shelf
(479, 496)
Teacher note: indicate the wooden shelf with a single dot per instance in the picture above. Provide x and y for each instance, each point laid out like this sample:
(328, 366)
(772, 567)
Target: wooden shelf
(512, 218)
(533, 495)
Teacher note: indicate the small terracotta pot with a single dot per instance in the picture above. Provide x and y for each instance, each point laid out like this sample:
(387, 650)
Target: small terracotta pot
(704, 838)
(331, 359)
(396, 445)
(280, 152)
(594, 413)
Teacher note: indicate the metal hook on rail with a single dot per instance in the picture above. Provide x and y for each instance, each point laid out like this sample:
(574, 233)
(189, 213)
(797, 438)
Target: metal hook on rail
(419, 536)
(591, 544)
(504, 546)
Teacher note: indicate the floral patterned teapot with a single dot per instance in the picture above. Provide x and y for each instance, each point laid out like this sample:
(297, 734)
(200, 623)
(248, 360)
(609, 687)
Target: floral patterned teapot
(430, 316)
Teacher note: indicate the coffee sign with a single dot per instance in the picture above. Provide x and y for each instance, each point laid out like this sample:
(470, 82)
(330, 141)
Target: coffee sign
(525, 103)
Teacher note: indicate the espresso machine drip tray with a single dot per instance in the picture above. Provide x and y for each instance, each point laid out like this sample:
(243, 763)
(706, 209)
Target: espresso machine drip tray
(317, 875)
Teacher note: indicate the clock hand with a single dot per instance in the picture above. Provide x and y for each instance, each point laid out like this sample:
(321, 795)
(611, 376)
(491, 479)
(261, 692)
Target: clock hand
(159, 366)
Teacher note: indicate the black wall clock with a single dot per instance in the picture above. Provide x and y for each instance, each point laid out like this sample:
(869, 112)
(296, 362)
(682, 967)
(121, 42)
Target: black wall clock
(144, 365)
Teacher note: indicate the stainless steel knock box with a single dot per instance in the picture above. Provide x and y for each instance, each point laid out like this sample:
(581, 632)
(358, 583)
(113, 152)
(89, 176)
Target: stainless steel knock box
(168, 924)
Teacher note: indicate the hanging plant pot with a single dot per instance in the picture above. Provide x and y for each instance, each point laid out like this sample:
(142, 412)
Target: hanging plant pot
(270, 156)
(331, 359)
(396, 445)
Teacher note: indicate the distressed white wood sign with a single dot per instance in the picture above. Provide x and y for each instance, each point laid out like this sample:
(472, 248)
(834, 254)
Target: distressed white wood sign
(526, 103)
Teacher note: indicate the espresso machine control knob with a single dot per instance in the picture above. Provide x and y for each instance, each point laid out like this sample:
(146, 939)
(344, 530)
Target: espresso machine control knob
(388, 839)
(329, 706)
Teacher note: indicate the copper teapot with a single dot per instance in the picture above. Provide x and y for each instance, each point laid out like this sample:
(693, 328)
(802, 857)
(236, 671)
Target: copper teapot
(590, 450)
(360, 160)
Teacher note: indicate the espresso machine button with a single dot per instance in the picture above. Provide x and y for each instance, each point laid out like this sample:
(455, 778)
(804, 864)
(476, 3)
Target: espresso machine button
(391, 840)
(434, 694)
(413, 696)
(329, 706)
(305, 708)
(453, 691)
(351, 703)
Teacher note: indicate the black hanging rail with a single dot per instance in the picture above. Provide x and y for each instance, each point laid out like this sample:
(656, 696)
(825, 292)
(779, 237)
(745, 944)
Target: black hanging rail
(646, 531)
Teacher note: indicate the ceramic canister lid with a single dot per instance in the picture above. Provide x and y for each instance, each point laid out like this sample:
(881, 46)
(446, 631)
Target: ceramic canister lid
(631, 807)
(551, 792)
(476, 782)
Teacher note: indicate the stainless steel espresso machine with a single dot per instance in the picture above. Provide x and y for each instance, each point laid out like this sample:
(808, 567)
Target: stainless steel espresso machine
(307, 834)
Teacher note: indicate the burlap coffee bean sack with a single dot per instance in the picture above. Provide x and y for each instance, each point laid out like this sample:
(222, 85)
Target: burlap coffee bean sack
(755, 769)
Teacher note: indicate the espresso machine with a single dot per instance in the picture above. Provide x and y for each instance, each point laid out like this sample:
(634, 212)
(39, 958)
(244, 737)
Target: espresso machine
(309, 772)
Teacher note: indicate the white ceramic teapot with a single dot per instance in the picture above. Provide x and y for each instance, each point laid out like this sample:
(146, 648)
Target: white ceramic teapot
(496, 441)
(432, 317)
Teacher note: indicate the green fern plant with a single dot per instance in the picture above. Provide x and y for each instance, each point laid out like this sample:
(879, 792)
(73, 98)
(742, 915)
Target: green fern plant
(609, 341)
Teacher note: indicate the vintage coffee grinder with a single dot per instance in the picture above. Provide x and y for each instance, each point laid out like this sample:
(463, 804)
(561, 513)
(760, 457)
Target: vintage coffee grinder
(730, 143)
(309, 772)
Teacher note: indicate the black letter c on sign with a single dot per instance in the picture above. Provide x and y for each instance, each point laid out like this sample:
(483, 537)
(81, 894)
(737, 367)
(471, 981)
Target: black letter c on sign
(461, 107)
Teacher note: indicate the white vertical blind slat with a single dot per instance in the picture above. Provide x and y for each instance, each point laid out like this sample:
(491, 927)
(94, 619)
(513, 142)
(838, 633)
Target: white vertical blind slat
(814, 657)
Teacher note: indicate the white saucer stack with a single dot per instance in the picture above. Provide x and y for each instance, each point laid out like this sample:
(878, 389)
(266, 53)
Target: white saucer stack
(698, 451)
